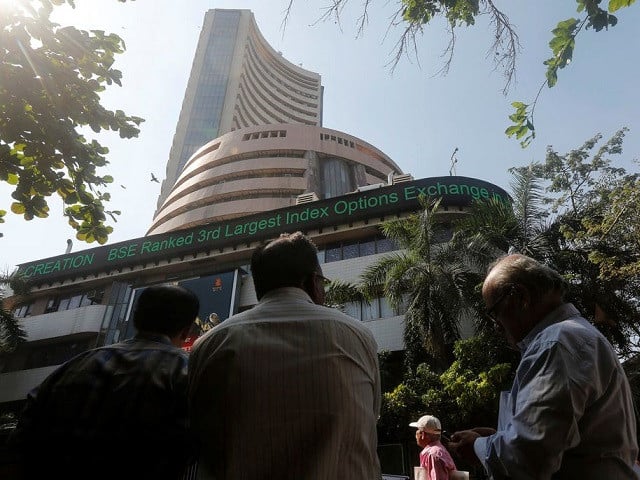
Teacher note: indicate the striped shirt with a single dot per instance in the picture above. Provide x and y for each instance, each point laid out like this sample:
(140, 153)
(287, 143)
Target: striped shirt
(286, 390)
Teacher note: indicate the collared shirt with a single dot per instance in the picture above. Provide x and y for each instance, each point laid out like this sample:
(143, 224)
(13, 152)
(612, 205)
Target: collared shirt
(569, 414)
(437, 461)
(286, 390)
(113, 412)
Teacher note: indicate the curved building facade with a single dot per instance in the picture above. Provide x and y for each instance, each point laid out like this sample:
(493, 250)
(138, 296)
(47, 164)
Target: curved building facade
(257, 169)
(237, 80)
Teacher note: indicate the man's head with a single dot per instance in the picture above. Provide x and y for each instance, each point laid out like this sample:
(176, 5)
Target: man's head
(428, 430)
(288, 261)
(519, 292)
(166, 309)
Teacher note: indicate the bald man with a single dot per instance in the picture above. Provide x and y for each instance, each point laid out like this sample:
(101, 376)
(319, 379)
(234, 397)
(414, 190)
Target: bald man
(569, 413)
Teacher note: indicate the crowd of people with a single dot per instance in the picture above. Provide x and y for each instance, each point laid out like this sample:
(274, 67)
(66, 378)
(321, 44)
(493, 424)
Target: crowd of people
(290, 389)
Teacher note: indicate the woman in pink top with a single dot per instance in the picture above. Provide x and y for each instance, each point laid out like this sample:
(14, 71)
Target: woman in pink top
(434, 457)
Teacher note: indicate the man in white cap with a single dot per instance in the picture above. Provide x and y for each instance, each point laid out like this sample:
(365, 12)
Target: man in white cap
(434, 457)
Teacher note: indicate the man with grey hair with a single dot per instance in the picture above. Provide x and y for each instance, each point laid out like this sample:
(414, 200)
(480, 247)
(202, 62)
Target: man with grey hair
(289, 389)
(569, 413)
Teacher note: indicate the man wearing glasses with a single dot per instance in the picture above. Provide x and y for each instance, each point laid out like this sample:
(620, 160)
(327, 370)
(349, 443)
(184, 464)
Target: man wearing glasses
(569, 413)
(289, 389)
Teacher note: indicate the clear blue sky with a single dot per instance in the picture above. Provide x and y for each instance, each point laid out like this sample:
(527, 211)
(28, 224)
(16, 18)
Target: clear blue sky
(413, 116)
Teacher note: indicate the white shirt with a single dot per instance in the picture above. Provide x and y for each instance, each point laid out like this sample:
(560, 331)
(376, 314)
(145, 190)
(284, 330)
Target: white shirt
(286, 390)
(569, 413)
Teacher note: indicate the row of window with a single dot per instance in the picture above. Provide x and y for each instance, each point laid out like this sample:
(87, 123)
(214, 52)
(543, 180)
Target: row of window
(264, 134)
(258, 79)
(286, 74)
(58, 304)
(334, 138)
(335, 252)
(375, 309)
(332, 252)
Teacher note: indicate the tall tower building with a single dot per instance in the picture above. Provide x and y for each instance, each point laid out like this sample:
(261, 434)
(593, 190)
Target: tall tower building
(238, 80)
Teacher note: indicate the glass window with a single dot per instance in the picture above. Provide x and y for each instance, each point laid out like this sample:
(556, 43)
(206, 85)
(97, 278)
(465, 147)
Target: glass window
(386, 310)
(370, 311)
(64, 304)
(337, 177)
(74, 302)
(350, 251)
(88, 301)
(333, 253)
(52, 305)
(385, 245)
(22, 311)
(367, 248)
(352, 309)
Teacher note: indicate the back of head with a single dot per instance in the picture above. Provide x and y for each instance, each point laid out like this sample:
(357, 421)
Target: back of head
(165, 309)
(520, 269)
(288, 261)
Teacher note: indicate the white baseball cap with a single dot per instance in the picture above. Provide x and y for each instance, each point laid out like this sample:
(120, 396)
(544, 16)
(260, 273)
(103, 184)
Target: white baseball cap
(427, 423)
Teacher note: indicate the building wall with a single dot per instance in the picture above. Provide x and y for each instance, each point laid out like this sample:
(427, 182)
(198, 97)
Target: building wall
(109, 275)
(16, 385)
(237, 80)
(257, 169)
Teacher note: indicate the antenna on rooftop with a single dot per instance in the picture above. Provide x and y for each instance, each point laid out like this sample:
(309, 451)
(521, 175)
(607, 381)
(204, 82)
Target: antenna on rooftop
(454, 160)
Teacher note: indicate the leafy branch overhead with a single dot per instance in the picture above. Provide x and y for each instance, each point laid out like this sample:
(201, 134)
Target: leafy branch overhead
(562, 45)
(413, 15)
(52, 78)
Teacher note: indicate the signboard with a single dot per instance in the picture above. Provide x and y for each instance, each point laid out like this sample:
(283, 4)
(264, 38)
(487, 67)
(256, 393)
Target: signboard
(217, 296)
(453, 191)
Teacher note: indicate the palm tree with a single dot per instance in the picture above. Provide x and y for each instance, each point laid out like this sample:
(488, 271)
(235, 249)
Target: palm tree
(11, 333)
(427, 278)
(494, 228)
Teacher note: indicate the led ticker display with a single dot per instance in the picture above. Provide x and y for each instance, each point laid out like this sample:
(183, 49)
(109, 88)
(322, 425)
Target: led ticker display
(453, 191)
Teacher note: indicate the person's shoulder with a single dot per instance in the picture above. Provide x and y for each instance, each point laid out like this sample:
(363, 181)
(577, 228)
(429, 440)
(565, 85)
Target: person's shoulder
(340, 318)
(575, 329)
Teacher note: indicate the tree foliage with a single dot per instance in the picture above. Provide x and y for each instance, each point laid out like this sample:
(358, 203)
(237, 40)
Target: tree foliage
(52, 78)
(11, 332)
(464, 394)
(577, 212)
(415, 15)
(596, 234)
(427, 279)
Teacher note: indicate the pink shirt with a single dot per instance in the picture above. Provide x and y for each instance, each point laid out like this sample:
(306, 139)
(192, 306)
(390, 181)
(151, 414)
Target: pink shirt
(437, 461)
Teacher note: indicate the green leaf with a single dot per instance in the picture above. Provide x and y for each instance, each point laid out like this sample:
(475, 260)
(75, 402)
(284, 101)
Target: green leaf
(18, 208)
(43, 156)
(510, 131)
(615, 5)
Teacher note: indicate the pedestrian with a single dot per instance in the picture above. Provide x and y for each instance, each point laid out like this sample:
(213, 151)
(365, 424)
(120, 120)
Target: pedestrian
(289, 389)
(118, 411)
(569, 413)
(435, 461)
